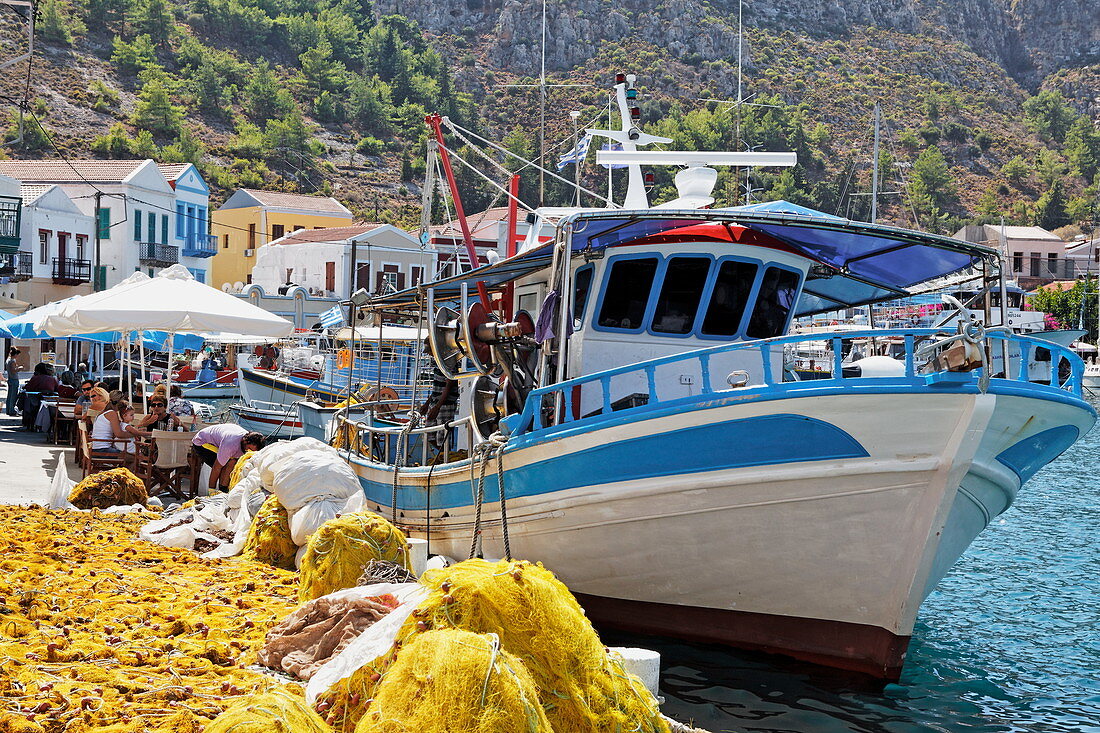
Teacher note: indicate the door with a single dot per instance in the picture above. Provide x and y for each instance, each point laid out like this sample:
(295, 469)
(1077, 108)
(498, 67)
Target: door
(330, 276)
(62, 254)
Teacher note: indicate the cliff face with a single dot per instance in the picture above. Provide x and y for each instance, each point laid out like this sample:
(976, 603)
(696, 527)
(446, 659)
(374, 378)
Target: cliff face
(1030, 39)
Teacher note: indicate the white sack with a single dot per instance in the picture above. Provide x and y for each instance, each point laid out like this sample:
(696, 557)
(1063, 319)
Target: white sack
(311, 475)
(308, 519)
(372, 643)
(61, 488)
(268, 459)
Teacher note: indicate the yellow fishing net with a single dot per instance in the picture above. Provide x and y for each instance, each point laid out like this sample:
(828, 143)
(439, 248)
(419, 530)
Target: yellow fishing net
(269, 536)
(455, 676)
(336, 553)
(581, 687)
(238, 470)
(273, 711)
(102, 632)
(117, 487)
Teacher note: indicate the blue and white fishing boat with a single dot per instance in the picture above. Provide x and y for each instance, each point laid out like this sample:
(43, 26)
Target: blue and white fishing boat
(654, 452)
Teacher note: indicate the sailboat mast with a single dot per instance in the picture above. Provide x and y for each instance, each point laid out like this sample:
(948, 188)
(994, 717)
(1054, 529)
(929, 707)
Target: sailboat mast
(542, 113)
(874, 172)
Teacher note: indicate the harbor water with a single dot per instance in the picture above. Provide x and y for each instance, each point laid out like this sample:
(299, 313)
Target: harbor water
(1009, 641)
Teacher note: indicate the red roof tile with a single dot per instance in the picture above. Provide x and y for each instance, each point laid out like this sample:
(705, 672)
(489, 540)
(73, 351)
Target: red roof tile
(283, 200)
(328, 234)
(59, 171)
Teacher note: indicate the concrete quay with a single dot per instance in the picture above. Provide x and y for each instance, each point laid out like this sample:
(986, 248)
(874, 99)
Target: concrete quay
(27, 462)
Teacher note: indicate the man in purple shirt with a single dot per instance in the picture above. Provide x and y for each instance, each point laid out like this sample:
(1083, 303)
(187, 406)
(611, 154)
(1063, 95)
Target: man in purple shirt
(219, 446)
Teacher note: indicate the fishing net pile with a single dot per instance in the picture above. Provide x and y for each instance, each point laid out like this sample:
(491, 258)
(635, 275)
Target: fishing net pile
(581, 686)
(242, 467)
(269, 537)
(117, 487)
(337, 553)
(273, 711)
(99, 632)
(449, 679)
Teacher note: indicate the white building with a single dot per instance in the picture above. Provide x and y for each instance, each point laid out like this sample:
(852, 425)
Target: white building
(320, 260)
(1034, 255)
(138, 219)
(489, 233)
(59, 238)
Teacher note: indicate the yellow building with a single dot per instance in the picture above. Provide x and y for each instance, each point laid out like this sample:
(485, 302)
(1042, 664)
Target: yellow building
(250, 219)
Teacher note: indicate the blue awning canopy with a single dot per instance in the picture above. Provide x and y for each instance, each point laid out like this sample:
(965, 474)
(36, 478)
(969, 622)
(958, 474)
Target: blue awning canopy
(853, 263)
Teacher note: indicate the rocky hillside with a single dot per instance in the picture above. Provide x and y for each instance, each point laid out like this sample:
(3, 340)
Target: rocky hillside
(989, 106)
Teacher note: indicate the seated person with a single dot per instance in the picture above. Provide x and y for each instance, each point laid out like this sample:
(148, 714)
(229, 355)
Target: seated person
(112, 431)
(84, 399)
(159, 418)
(219, 446)
(179, 406)
(43, 379)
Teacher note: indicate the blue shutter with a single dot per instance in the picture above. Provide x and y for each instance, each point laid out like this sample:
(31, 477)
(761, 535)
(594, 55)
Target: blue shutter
(137, 225)
(181, 220)
(104, 216)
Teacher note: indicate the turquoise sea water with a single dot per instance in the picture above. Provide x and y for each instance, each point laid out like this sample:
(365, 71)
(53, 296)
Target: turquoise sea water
(1009, 641)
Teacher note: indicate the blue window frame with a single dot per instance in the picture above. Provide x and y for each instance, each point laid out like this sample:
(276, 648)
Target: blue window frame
(626, 293)
(181, 221)
(775, 299)
(137, 225)
(199, 275)
(683, 280)
(727, 296)
(582, 290)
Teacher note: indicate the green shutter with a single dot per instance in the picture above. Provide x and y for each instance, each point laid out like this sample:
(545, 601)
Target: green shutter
(101, 277)
(164, 228)
(137, 225)
(104, 215)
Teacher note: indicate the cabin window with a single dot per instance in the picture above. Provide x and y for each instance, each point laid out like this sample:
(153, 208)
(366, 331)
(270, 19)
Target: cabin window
(778, 289)
(732, 286)
(681, 292)
(626, 293)
(582, 286)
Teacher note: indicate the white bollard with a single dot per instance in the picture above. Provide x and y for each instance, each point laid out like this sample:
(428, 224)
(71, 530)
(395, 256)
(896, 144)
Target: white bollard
(418, 555)
(644, 663)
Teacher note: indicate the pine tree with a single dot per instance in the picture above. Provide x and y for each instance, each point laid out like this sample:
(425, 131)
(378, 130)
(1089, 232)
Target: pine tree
(1051, 212)
(152, 18)
(1083, 147)
(143, 145)
(154, 110)
(261, 93)
(1048, 114)
(55, 23)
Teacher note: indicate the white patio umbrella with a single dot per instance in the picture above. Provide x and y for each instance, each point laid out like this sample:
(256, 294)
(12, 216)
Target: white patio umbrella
(173, 301)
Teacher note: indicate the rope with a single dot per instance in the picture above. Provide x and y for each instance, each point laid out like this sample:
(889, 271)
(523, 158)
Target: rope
(483, 453)
(402, 445)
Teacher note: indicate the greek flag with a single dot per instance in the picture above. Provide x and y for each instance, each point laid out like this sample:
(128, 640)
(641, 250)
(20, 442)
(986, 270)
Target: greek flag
(576, 155)
(613, 166)
(333, 317)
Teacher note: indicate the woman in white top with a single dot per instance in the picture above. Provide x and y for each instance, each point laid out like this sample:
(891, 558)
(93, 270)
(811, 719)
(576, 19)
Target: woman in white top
(112, 431)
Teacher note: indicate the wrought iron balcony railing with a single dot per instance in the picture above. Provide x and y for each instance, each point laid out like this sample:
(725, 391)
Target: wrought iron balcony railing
(69, 271)
(16, 266)
(158, 255)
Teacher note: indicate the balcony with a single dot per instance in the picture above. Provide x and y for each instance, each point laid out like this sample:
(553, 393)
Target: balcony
(200, 245)
(15, 266)
(71, 272)
(152, 254)
(11, 211)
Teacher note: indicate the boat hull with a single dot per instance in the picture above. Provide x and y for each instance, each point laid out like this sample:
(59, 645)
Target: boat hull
(777, 512)
(270, 423)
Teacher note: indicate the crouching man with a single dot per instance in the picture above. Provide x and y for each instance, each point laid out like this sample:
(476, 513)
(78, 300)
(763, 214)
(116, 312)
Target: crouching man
(219, 446)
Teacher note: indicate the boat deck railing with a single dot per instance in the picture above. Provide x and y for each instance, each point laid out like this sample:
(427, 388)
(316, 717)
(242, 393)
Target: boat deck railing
(393, 442)
(552, 407)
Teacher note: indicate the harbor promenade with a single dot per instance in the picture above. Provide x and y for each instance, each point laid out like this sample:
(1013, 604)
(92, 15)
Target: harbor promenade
(27, 462)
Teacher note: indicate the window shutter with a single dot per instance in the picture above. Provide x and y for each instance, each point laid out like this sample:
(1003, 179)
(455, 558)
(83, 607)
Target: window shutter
(137, 225)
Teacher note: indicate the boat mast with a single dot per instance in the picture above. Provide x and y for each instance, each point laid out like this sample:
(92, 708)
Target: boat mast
(874, 172)
(542, 113)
